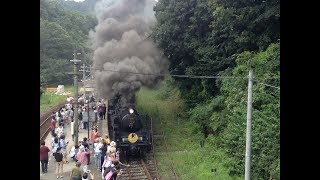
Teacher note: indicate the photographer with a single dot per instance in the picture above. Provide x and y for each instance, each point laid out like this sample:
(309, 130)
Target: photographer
(85, 176)
(76, 172)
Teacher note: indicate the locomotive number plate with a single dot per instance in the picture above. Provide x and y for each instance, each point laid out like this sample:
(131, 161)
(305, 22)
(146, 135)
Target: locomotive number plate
(133, 137)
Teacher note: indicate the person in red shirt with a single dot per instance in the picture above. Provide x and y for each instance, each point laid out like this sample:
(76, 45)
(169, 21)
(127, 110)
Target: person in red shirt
(44, 150)
(94, 135)
(82, 158)
(52, 125)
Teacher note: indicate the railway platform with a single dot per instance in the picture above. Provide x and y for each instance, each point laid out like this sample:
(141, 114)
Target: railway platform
(139, 168)
(51, 174)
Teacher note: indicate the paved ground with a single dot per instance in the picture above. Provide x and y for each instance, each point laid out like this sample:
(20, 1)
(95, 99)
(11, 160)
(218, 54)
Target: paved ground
(51, 174)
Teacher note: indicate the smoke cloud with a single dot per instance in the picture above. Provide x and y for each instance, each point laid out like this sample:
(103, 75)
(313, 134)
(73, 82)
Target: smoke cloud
(120, 44)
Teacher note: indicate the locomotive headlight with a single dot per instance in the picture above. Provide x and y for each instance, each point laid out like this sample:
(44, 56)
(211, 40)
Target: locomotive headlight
(131, 110)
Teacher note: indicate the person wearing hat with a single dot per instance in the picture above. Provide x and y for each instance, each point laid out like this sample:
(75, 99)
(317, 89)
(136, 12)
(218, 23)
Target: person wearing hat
(76, 172)
(112, 147)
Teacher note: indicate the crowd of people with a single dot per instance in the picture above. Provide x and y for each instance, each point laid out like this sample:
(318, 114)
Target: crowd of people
(106, 158)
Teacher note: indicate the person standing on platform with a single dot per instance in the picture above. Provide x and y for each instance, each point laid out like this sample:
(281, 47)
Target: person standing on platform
(107, 139)
(104, 111)
(97, 153)
(85, 118)
(100, 110)
(94, 135)
(76, 172)
(86, 146)
(82, 157)
(59, 130)
(103, 150)
(72, 129)
(59, 157)
(53, 124)
(44, 150)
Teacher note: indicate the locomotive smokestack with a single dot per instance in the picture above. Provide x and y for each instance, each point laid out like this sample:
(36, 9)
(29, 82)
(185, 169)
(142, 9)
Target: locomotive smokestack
(122, 51)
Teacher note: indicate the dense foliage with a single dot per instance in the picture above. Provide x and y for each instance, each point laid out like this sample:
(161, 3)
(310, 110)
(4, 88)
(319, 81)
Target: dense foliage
(200, 37)
(86, 6)
(61, 32)
(227, 38)
(265, 113)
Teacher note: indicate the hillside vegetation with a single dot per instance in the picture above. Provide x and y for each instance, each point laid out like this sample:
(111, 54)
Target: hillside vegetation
(225, 39)
(62, 30)
(181, 136)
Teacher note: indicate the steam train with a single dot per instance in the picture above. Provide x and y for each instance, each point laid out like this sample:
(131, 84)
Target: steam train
(130, 130)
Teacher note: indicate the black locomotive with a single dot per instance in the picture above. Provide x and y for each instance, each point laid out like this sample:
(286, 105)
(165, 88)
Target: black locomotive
(129, 129)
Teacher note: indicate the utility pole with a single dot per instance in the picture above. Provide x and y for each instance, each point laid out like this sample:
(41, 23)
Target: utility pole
(83, 79)
(88, 121)
(248, 133)
(75, 63)
(84, 89)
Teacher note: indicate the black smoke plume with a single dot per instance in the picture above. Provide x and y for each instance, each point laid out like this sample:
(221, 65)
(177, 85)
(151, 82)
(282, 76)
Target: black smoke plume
(121, 44)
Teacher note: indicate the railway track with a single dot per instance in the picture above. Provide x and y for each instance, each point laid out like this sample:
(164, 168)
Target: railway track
(141, 169)
(45, 121)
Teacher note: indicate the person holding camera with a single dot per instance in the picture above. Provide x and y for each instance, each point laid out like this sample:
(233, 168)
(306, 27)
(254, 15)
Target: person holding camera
(76, 172)
(85, 176)
(82, 157)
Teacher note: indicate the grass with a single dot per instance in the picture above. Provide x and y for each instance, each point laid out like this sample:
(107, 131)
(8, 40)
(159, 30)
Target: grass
(69, 89)
(49, 100)
(183, 146)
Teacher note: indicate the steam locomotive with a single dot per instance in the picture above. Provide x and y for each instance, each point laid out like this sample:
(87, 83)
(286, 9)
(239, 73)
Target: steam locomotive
(129, 129)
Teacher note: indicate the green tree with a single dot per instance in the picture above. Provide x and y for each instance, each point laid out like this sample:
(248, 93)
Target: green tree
(62, 31)
(265, 114)
(183, 29)
(86, 6)
(55, 41)
(201, 37)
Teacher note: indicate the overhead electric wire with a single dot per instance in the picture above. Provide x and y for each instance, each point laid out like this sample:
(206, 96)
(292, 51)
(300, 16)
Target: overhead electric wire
(175, 75)
(188, 76)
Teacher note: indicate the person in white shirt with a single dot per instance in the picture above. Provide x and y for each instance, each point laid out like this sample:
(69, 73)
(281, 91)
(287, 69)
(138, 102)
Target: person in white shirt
(97, 153)
(81, 147)
(59, 130)
(73, 152)
(57, 119)
(54, 135)
(72, 129)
